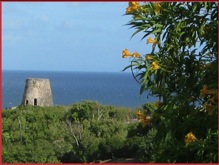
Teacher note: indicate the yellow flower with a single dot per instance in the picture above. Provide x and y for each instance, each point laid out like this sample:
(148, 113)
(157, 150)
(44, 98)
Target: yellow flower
(189, 138)
(157, 7)
(152, 41)
(138, 112)
(212, 99)
(149, 57)
(204, 91)
(128, 10)
(144, 120)
(126, 53)
(133, 6)
(140, 115)
(154, 66)
(136, 55)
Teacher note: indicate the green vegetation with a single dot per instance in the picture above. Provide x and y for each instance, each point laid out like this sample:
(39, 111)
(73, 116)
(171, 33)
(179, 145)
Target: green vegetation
(181, 68)
(181, 127)
(83, 132)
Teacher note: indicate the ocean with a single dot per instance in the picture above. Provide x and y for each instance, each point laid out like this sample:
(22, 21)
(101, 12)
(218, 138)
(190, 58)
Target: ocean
(119, 89)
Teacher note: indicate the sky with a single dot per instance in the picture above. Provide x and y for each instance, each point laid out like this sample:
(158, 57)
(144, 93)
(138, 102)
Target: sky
(67, 36)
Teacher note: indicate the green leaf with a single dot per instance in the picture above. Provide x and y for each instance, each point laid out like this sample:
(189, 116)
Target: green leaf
(158, 25)
(136, 32)
(127, 67)
(156, 31)
(142, 89)
(194, 7)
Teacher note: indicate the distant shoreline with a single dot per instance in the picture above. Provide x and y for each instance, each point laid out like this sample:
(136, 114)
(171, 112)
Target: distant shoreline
(112, 88)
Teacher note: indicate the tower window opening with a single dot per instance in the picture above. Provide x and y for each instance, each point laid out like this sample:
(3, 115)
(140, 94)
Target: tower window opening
(35, 101)
(26, 102)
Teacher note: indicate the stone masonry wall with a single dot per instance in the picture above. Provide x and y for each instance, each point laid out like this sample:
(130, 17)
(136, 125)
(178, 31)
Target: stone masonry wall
(37, 92)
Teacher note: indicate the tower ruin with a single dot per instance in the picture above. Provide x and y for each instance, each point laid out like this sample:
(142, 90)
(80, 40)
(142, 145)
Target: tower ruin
(37, 92)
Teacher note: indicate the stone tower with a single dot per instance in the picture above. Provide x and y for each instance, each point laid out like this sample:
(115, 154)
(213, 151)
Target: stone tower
(37, 92)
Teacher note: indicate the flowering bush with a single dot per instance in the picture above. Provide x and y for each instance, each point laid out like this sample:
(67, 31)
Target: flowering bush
(181, 70)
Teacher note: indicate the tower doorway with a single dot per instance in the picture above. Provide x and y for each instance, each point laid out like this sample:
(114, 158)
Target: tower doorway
(35, 101)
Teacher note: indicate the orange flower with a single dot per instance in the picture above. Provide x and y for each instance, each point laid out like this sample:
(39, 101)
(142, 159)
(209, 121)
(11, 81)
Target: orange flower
(152, 41)
(189, 138)
(154, 66)
(139, 112)
(133, 6)
(136, 55)
(128, 10)
(126, 53)
(149, 57)
(157, 7)
(140, 115)
(144, 120)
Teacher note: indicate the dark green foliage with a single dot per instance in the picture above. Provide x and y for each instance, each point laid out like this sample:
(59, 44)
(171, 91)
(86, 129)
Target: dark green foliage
(132, 146)
(32, 132)
(181, 69)
(82, 132)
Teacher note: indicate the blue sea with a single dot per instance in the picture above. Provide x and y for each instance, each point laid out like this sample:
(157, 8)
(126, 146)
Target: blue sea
(119, 89)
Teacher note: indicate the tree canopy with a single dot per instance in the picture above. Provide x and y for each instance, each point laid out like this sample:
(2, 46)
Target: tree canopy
(182, 70)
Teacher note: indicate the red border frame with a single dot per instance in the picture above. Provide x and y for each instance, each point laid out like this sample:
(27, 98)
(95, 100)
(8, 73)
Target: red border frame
(60, 1)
